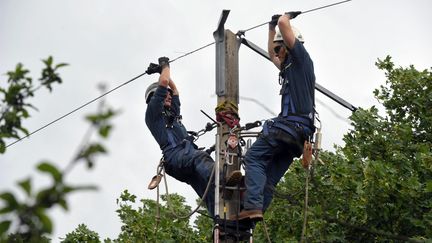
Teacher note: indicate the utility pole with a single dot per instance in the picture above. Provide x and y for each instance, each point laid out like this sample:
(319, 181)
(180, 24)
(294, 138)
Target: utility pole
(227, 91)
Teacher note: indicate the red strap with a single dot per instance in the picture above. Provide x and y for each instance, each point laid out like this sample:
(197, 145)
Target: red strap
(230, 119)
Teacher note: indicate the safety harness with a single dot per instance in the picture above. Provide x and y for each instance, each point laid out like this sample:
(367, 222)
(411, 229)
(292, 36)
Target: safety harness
(289, 124)
(289, 120)
(186, 143)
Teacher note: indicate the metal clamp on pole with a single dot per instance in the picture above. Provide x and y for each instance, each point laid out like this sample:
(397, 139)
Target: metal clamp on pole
(219, 36)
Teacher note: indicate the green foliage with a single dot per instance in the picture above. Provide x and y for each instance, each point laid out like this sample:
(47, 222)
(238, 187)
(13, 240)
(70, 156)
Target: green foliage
(20, 88)
(203, 225)
(82, 234)
(376, 188)
(100, 120)
(30, 214)
(49, 75)
(145, 224)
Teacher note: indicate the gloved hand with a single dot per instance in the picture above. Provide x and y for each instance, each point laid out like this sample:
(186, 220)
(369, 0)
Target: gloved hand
(153, 68)
(274, 20)
(163, 62)
(293, 14)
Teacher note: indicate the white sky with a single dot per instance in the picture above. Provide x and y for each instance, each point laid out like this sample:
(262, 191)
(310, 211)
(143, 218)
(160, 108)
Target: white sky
(113, 41)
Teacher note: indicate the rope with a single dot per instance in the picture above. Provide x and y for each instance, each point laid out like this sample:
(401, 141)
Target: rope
(305, 210)
(158, 171)
(266, 231)
(227, 112)
(199, 204)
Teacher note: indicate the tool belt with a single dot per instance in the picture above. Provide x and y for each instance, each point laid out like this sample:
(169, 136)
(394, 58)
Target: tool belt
(185, 144)
(300, 128)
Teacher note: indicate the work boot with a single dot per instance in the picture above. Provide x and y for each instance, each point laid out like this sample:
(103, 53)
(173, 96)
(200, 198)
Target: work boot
(234, 178)
(254, 215)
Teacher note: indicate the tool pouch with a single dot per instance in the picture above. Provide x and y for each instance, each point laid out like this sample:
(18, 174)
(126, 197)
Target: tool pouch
(307, 154)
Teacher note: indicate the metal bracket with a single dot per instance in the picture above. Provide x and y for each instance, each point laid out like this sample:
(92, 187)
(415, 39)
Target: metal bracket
(219, 36)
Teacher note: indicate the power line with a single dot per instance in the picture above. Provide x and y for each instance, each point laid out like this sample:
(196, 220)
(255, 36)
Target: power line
(129, 81)
(303, 12)
(192, 52)
(97, 98)
(76, 109)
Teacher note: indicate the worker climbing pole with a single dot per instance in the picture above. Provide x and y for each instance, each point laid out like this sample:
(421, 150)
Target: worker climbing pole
(228, 151)
(233, 221)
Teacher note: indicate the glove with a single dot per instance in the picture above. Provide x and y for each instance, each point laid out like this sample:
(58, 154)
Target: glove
(163, 62)
(274, 20)
(153, 68)
(293, 14)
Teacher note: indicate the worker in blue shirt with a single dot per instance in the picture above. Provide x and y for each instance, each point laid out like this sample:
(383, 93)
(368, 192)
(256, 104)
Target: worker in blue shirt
(282, 137)
(183, 160)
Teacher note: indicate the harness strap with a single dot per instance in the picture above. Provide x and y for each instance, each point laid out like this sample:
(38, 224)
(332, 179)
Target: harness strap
(187, 145)
(299, 119)
(287, 105)
(171, 140)
(287, 129)
(271, 123)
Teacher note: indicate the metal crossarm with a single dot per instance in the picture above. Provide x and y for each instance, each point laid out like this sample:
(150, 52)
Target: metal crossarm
(318, 87)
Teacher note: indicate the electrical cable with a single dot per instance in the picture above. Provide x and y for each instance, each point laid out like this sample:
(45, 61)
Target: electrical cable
(303, 12)
(97, 98)
(75, 110)
(187, 54)
(129, 81)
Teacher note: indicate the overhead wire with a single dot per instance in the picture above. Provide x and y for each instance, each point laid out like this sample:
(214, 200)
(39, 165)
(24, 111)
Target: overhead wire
(76, 109)
(142, 74)
(191, 52)
(100, 96)
(302, 12)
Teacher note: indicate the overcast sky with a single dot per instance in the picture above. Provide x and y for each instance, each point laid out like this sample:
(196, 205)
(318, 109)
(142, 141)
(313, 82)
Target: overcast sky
(112, 41)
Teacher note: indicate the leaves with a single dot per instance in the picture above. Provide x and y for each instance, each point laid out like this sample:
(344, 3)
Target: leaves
(11, 203)
(50, 169)
(101, 120)
(15, 97)
(46, 222)
(82, 234)
(141, 225)
(31, 215)
(9, 199)
(26, 186)
(4, 226)
(49, 75)
(375, 188)
(89, 152)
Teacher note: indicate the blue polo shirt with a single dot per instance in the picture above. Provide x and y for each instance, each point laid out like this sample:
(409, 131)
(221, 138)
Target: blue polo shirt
(162, 121)
(298, 82)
